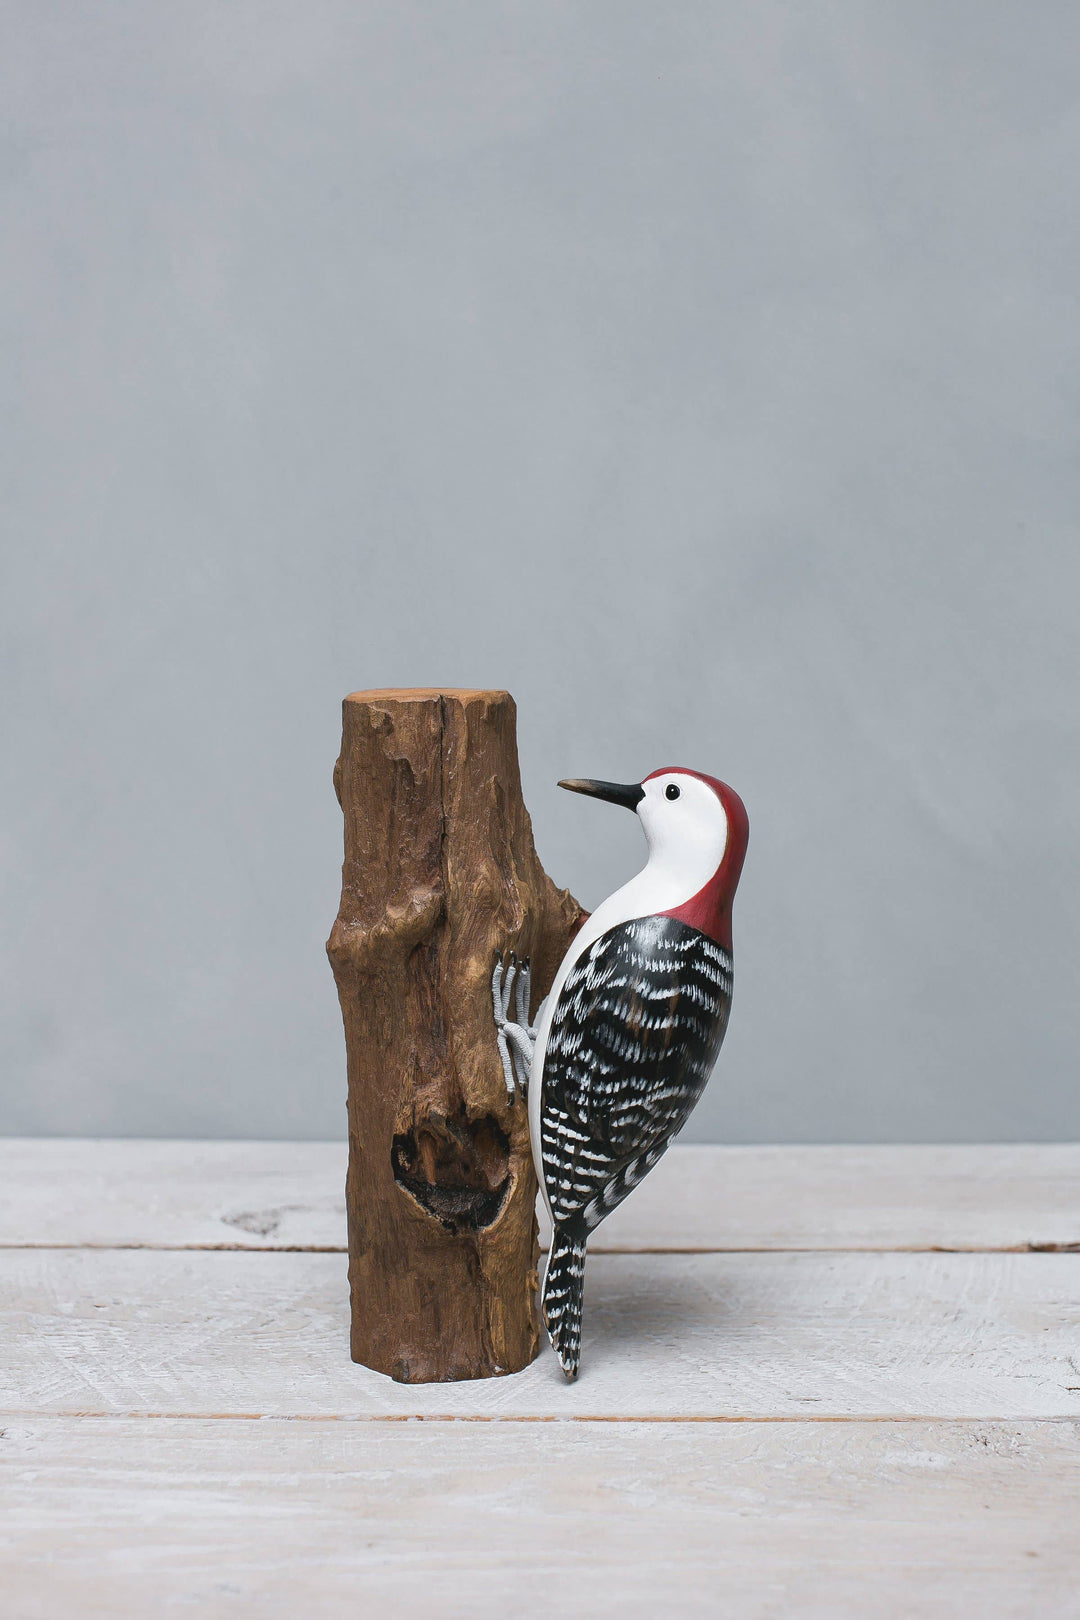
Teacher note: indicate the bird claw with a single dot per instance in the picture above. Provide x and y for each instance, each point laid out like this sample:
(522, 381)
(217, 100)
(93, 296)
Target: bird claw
(510, 983)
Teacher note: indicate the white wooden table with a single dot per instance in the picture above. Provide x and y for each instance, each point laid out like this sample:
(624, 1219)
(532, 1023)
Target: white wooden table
(817, 1382)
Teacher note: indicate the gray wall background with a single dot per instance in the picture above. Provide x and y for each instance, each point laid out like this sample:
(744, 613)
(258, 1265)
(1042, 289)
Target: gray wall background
(705, 373)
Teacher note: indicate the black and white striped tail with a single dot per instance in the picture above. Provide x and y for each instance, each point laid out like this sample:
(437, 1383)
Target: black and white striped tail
(564, 1287)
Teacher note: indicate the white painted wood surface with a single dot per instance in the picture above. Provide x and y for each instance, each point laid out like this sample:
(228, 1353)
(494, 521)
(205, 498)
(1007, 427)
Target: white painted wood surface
(289, 1195)
(288, 1521)
(181, 1427)
(710, 1335)
(172, 1195)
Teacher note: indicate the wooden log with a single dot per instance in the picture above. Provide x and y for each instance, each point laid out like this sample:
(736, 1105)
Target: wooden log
(440, 873)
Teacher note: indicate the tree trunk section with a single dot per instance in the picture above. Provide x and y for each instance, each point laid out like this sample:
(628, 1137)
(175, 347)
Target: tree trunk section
(440, 873)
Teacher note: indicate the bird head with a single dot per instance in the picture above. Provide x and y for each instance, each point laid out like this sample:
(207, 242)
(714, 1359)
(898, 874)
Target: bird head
(697, 831)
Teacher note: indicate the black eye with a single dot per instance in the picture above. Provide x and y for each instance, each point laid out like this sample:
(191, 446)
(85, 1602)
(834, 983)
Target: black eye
(671, 791)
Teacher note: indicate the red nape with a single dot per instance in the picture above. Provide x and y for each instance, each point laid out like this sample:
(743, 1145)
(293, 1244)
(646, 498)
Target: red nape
(710, 909)
(707, 911)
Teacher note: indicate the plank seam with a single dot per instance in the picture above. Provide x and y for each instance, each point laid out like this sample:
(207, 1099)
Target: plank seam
(333, 1248)
(24, 1414)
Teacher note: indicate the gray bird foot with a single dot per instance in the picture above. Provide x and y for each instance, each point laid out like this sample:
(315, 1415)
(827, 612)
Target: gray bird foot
(510, 983)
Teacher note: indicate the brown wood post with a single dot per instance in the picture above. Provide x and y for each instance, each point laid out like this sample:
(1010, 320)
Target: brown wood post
(440, 873)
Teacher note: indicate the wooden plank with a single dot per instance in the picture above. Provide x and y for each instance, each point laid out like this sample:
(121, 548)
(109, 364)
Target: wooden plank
(712, 1336)
(952, 1197)
(147, 1194)
(286, 1195)
(812, 1521)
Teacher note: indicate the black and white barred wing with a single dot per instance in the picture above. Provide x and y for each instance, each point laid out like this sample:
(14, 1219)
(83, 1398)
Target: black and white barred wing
(634, 1036)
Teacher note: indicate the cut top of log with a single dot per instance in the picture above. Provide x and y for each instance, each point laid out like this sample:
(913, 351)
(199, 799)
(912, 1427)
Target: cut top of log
(428, 694)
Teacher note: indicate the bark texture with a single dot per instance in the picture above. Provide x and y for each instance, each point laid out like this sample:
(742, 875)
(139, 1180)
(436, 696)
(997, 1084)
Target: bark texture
(440, 873)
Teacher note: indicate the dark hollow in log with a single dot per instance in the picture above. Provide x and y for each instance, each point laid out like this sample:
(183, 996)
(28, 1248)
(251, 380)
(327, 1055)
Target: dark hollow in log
(440, 873)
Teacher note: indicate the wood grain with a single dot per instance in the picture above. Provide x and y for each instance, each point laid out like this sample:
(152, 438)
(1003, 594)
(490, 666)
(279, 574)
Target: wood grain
(675, 1336)
(693, 1471)
(290, 1195)
(172, 1195)
(755, 1521)
(953, 1197)
(440, 875)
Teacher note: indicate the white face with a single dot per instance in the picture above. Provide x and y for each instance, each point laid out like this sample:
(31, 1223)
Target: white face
(684, 823)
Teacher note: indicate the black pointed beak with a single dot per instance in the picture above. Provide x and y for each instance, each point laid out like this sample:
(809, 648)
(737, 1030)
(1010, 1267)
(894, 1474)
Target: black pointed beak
(628, 793)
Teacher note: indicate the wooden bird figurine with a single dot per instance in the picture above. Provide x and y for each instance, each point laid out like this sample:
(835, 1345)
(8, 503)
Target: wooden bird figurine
(626, 1040)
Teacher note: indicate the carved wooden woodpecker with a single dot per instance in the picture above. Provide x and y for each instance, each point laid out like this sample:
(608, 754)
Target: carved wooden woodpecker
(628, 1035)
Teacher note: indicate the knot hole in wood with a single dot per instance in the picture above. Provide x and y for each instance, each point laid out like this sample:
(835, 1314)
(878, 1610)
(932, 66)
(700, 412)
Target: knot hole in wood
(456, 1168)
